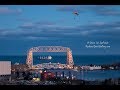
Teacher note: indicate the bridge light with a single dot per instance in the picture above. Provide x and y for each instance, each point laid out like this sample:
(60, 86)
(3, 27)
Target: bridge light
(47, 49)
(67, 77)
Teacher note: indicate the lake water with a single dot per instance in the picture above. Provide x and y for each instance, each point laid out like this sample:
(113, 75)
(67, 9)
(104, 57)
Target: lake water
(78, 60)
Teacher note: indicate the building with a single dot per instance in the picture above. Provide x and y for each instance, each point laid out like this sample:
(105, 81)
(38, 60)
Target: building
(47, 75)
(85, 67)
(5, 70)
(95, 67)
(91, 67)
(19, 67)
(50, 66)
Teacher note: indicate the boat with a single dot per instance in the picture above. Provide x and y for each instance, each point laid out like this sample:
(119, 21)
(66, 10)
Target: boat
(45, 58)
(49, 57)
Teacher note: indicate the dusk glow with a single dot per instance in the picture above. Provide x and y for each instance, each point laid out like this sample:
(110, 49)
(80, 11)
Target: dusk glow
(59, 45)
(26, 26)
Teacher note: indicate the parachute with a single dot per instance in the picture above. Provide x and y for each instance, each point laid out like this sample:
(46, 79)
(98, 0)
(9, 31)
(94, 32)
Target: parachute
(76, 14)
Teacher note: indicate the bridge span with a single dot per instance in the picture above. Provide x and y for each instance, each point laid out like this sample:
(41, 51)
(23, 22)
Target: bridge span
(69, 60)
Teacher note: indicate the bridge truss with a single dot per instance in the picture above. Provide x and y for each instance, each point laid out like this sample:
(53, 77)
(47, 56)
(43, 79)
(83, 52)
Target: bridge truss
(69, 61)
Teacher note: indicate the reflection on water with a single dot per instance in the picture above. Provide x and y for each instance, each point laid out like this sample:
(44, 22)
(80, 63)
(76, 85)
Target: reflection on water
(92, 75)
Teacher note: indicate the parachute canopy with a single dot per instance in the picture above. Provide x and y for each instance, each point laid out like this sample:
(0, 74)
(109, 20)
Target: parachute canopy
(76, 13)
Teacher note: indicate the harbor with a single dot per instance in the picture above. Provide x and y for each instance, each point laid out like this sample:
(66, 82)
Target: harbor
(22, 75)
(61, 74)
(59, 45)
(55, 73)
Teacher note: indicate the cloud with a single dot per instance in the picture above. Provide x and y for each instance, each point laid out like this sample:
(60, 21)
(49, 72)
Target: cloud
(36, 38)
(105, 10)
(108, 12)
(98, 23)
(32, 31)
(101, 10)
(45, 26)
(69, 8)
(28, 25)
(6, 10)
(24, 19)
(45, 23)
(110, 30)
(37, 25)
(117, 28)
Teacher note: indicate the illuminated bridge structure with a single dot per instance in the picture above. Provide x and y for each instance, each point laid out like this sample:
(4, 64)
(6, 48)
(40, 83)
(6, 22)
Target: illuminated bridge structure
(69, 61)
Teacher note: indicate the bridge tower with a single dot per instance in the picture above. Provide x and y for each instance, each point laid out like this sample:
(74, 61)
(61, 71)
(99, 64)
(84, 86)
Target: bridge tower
(70, 61)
